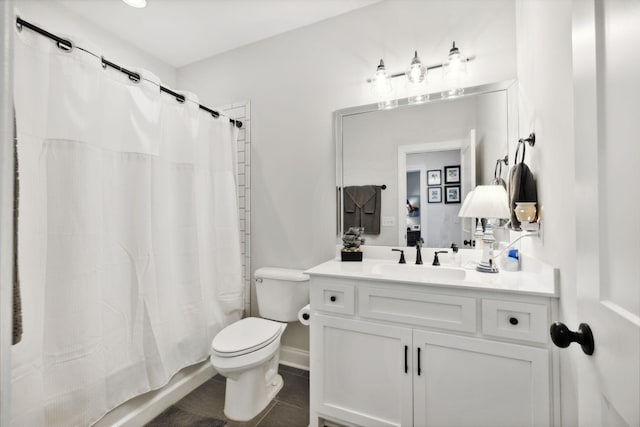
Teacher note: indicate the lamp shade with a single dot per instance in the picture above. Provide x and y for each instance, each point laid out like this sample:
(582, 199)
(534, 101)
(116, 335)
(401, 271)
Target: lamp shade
(465, 205)
(486, 201)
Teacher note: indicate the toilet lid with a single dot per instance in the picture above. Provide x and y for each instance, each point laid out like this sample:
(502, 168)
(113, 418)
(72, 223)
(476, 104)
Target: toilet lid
(245, 336)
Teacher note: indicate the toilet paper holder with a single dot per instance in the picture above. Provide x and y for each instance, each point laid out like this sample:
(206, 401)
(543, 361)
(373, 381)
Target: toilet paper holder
(304, 315)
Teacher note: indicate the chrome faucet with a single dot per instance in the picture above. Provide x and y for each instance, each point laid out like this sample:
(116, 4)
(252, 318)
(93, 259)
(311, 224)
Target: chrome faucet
(419, 243)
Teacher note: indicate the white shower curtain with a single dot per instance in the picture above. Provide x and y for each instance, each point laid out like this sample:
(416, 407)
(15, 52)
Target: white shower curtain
(128, 234)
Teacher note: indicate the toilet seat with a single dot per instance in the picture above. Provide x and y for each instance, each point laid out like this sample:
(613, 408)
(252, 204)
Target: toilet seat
(245, 336)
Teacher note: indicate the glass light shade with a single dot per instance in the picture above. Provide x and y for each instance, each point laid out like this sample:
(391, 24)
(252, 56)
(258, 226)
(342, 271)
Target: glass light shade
(456, 64)
(525, 211)
(417, 72)
(486, 201)
(136, 3)
(381, 81)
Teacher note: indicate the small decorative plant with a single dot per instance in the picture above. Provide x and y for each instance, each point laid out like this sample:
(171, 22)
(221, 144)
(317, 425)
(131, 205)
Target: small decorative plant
(351, 242)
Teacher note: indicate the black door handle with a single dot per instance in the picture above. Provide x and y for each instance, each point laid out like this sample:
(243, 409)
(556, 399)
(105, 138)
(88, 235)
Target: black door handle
(333, 298)
(406, 359)
(562, 336)
(419, 370)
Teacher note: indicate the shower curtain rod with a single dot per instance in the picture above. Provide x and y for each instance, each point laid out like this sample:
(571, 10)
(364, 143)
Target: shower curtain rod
(67, 45)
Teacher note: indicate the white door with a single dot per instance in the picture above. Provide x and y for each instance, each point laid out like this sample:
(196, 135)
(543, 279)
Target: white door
(361, 372)
(468, 181)
(461, 381)
(607, 131)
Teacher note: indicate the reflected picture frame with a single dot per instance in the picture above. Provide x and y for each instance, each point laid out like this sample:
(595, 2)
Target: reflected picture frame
(434, 177)
(452, 174)
(452, 194)
(434, 195)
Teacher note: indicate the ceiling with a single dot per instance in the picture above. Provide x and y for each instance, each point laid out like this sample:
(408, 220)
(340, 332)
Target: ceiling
(180, 32)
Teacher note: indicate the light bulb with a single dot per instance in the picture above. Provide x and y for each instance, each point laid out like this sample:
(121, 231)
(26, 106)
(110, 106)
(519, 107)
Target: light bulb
(381, 82)
(456, 64)
(417, 72)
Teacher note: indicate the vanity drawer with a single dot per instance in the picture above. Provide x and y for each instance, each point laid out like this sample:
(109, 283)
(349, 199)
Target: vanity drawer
(515, 320)
(333, 297)
(418, 308)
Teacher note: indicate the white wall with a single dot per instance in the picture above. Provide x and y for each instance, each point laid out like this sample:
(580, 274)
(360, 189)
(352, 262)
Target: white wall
(491, 138)
(295, 80)
(546, 106)
(59, 20)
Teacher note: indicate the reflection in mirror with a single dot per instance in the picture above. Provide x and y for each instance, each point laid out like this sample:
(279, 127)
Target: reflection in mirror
(429, 156)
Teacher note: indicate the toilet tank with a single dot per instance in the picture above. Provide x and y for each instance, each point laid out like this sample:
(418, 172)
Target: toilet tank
(281, 293)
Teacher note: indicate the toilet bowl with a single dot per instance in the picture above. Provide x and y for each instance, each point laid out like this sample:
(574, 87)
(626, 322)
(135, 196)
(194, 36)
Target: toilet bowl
(247, 352)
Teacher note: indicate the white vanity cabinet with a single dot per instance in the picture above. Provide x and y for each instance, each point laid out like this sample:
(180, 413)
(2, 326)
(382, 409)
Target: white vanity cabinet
(385, 353)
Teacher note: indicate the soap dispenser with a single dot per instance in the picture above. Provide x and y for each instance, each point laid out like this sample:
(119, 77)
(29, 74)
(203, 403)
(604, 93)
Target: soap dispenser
(455, 255)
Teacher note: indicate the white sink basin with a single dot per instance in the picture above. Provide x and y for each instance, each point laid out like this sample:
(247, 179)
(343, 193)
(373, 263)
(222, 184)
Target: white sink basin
(421, 273)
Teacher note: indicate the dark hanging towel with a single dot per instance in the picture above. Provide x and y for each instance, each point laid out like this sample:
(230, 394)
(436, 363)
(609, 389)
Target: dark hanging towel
(362, 208)
(17, 302)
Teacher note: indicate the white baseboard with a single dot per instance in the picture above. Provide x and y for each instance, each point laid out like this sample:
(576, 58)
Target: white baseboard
(144, 408)
(294, 357)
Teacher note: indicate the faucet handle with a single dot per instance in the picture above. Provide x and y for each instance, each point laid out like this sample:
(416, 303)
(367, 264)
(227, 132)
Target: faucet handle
(419, 242)
(436, 261)
(402, 260)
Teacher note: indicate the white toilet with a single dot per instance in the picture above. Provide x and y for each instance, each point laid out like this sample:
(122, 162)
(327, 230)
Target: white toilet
(247, 352)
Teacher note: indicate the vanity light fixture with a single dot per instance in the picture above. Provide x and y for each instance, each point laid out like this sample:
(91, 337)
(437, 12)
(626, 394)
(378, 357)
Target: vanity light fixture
(491, 202)
(416, 75)
(139, 4)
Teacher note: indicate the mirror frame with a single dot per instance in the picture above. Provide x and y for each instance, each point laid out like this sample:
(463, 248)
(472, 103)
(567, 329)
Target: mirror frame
(510, 86)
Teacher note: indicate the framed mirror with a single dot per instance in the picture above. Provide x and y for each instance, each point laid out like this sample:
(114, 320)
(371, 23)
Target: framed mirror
(403, 173)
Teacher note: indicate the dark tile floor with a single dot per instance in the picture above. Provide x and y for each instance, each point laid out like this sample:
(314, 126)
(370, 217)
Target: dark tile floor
(204, 407)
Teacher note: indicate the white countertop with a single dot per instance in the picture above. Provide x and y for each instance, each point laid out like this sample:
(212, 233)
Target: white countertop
(536, 279)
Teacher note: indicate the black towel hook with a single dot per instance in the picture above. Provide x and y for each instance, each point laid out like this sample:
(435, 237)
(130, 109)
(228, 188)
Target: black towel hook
(497, 172)
(531, 140)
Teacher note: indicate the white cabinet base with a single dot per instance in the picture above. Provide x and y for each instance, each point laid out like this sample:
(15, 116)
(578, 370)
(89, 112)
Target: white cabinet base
(475, 382)
(363, 364)
(396, 354)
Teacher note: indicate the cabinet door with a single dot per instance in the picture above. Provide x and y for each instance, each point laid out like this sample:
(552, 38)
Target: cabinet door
(361, 372)
(475, 382)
